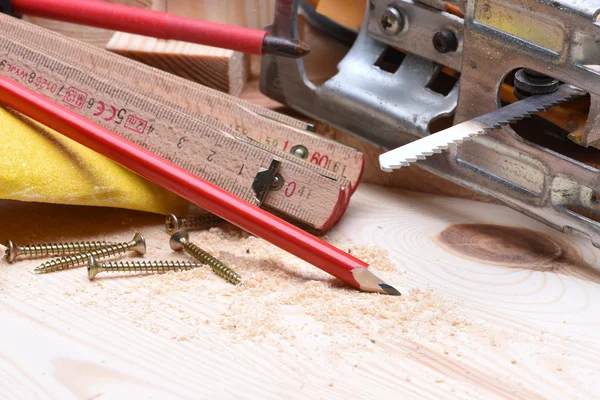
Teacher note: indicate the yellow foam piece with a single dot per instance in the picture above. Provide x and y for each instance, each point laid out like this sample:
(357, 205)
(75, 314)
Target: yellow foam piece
(38, 164)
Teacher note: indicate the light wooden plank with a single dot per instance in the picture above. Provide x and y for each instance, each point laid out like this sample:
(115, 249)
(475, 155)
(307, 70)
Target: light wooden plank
(523, 325)
(220, 69)
(255, 14)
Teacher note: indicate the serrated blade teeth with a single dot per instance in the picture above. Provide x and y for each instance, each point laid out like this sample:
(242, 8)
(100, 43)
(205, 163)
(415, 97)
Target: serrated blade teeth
(455, 135)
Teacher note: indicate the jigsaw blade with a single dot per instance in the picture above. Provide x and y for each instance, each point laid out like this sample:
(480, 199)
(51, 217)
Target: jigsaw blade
(437, 142)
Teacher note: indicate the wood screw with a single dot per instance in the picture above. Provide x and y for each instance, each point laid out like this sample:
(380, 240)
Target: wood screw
(180, 241)
(138, 244)
(51, 249)
(94, 267)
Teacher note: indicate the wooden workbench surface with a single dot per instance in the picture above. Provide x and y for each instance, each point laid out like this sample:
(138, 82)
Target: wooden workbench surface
(501, 308)
(494, 306)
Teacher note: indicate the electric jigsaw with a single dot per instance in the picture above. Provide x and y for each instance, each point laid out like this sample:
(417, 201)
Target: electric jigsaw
(448, 85)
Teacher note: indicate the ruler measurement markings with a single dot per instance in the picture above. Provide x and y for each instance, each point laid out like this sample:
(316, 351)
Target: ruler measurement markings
(219, 180)
(107, 63)
(229, 185)
(94, 84)
(314, 168)
(211, 93)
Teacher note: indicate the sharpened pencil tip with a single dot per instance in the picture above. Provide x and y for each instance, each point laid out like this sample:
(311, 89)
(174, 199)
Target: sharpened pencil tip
(392, 291)
(284, 47)
(370, 280)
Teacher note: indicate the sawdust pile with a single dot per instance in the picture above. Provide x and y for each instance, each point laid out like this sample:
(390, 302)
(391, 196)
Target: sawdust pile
(283, 298)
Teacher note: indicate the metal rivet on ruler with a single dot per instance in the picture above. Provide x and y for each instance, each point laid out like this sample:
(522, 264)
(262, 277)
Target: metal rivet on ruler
(299, 151)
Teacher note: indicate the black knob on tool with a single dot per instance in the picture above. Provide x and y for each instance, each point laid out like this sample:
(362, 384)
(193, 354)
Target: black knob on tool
(529, 83)
(445, 41)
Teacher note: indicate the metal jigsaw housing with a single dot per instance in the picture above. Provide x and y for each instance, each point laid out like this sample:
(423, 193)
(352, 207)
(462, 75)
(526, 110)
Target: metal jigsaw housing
(496, 37)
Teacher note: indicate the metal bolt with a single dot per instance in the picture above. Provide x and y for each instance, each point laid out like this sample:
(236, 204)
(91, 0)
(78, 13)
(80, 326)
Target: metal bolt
(51, 249)
(180, 241)
(529, 83)
(94, 267)
(299, 151)
(445, 41)
(174, 223)
(138, 244)
(391, 21)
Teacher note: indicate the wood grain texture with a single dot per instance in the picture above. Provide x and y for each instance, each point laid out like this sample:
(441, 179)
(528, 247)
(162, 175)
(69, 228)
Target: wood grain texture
(255, 14)
(219, 69)
(465, 328)
(95, 36)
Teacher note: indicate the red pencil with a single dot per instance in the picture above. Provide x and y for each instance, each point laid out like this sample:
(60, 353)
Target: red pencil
(212, 198)
(161, 25)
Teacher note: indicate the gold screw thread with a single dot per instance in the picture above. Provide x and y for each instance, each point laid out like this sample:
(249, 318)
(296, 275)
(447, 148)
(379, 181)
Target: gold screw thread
(174, 223)
(143, 266)
(180, 241)
(138, 244)
(218, 266)
(53, 249)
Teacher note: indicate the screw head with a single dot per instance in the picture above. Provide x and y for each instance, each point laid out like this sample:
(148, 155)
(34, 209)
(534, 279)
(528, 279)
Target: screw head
(12, 251)
(93, 267)
(172, 224)
(299, 151)
(391, 21)
(176, 241)
(445, 41)
(140, 244)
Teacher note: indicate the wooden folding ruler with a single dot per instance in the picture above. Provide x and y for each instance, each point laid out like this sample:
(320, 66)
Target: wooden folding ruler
(240, 147)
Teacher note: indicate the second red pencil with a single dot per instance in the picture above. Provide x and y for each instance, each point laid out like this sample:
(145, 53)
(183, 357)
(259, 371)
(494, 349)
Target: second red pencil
(161, 25)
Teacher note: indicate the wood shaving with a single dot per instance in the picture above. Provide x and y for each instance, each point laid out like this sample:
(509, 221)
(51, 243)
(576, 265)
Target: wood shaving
(282, 298)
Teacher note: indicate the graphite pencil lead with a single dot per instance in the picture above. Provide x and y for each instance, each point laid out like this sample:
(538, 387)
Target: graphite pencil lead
(392, 291)
(284, 47)
(371, 280)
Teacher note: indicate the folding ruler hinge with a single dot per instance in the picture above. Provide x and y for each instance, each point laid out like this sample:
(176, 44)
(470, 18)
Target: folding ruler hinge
(267, 180)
